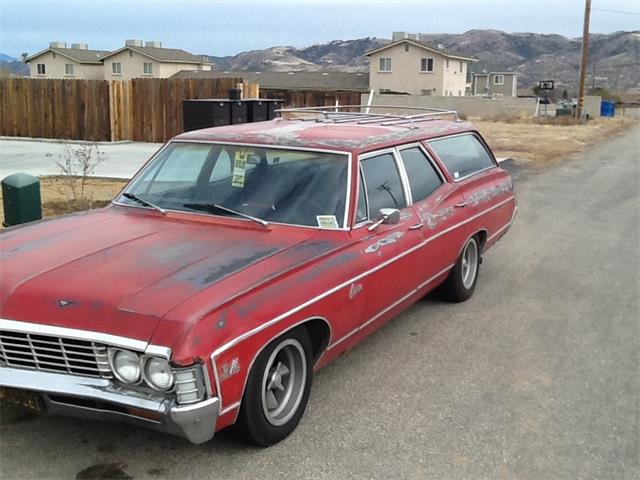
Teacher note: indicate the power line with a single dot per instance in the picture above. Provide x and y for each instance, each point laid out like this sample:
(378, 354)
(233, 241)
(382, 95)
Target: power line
(616, 11)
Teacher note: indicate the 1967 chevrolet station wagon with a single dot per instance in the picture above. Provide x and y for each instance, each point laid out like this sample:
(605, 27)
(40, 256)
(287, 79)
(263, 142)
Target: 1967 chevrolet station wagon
(238, 261)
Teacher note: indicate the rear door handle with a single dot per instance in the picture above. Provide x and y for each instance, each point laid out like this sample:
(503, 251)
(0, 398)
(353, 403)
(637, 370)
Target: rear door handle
(461, 205)
(416, 226)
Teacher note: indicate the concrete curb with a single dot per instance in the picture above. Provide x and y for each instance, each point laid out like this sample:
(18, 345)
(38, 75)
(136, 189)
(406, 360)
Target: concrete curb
(55, 140)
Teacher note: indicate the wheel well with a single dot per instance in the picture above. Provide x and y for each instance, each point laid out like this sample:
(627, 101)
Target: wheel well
(319, 333)
(482, 239)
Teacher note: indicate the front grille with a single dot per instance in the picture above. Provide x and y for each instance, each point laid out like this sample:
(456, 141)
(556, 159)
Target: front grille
(54, 354)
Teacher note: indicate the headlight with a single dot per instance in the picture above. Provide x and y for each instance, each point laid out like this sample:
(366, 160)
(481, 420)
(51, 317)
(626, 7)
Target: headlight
(158, 373)
(126, 365)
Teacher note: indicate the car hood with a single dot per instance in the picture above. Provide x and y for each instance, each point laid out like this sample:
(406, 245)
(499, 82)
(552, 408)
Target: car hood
(119, 271)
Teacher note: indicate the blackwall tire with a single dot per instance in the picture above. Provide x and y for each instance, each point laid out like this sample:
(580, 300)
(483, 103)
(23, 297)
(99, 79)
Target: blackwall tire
(277, 390)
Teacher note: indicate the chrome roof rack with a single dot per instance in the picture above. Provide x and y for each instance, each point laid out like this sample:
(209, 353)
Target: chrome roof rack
(344, 114)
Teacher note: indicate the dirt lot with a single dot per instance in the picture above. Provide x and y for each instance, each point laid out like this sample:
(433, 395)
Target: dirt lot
(527, 140)
(539, 143)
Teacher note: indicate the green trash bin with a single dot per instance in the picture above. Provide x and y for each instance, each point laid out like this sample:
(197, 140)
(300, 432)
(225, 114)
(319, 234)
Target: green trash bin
(21, 199)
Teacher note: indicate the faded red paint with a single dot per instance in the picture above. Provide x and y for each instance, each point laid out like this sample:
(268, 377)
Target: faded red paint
(196, 282)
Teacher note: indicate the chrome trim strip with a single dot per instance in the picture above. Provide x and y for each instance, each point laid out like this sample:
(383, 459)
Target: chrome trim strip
(391, 307)
(73, 333)
(158, 351)
(231, 407)
(304, 305)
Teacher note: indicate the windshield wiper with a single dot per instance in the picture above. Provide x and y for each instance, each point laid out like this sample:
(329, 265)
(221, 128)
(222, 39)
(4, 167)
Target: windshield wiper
(211, 207)
(135, 197)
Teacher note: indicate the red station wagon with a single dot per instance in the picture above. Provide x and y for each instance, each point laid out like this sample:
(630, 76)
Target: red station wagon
(240, 260)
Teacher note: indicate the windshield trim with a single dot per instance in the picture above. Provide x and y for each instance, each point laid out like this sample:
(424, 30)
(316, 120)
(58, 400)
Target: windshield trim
(345, 226)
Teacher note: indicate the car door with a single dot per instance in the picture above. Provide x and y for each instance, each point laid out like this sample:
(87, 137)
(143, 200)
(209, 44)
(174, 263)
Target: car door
(439, 207)
(475, 172)
(389, 251)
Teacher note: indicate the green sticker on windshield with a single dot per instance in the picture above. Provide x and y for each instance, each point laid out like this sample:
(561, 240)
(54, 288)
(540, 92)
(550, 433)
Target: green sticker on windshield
(240, 167)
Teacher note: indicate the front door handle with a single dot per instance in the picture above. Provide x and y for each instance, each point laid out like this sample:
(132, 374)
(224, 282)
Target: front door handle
(416, 226)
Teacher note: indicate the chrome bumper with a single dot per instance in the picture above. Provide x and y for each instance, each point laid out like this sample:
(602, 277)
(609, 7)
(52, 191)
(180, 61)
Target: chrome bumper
(99, 399)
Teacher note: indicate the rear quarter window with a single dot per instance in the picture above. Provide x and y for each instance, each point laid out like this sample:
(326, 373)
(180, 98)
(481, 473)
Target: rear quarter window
(462, 155)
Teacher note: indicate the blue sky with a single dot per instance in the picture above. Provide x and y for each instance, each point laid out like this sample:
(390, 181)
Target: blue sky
(227, 28)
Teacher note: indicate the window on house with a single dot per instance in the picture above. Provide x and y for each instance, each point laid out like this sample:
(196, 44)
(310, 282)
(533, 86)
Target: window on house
(406, 47)
(68, 68)
(41, 68)
(147, 68)
(426, 92)
(385, 64)
(447, 63)
(461, 67)
(426, 64)
(116, 68)
(498, 79)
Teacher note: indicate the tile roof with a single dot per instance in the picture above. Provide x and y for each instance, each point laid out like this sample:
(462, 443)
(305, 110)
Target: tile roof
(346, 81)
(79, 55)
(424, 45)
(168, 55)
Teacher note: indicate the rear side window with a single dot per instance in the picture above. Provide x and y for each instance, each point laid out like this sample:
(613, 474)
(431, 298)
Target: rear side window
(384, 187)
(462, 155)
(423, 178)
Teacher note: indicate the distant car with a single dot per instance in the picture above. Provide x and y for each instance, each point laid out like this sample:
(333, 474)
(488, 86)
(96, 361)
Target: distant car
(544, 101)
(239, 260)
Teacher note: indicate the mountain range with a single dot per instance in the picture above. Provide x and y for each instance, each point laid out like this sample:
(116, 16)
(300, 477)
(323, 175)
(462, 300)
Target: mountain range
(534, 56)
(614, 57)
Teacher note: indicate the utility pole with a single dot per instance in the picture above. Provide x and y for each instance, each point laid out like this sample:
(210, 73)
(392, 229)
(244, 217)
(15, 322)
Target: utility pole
(585, 58)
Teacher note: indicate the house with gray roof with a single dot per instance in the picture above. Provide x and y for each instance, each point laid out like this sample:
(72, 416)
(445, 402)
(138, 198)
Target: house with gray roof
(135, 60)
(58, 61)
(410, 65)
(149, 60)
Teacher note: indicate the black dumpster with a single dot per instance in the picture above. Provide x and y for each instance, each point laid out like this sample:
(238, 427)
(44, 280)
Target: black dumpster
(205, 113)
(238, 112)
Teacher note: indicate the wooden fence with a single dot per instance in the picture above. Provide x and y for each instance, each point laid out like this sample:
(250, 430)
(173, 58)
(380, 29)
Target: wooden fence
(70, 109)
(146, 110)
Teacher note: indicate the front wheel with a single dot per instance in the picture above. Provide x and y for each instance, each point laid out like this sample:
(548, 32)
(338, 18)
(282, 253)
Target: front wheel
(462, 279)
(277, 390)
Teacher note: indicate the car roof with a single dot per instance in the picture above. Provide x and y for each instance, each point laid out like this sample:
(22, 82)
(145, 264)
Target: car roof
(347, 136)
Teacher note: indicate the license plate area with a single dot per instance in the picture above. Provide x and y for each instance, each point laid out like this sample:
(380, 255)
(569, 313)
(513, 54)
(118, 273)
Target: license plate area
(26, 399)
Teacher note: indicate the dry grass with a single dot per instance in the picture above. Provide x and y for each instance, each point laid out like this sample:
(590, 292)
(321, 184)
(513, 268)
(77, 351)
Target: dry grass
(544, 141)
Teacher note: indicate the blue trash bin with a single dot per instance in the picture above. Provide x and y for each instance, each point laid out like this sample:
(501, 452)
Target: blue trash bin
(607, 109)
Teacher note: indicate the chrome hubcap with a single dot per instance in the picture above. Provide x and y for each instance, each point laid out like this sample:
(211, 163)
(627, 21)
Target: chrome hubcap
(283, 382)
(469, 263)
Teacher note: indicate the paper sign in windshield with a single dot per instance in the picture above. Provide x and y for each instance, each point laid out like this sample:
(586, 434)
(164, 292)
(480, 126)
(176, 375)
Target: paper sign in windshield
(327, 221)
(239, 168)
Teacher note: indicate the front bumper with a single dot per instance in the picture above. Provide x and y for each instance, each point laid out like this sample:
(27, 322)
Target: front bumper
(100, 399)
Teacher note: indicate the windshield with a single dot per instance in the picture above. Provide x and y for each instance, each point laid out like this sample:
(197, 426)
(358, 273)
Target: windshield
(282, 186)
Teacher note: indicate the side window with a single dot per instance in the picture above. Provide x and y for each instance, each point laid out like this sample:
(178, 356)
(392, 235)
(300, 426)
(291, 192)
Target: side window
(423, 178)
(361, 211)
(384, 187)
(462, 155)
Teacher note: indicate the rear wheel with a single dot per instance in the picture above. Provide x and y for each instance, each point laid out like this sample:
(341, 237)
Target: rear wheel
(461, 282)
(277, 390)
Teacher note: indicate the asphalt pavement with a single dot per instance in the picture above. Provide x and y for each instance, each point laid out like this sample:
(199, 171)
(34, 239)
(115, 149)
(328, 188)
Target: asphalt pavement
(535, 377)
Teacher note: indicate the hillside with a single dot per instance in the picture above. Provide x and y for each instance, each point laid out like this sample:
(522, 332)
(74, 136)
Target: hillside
(533, 56)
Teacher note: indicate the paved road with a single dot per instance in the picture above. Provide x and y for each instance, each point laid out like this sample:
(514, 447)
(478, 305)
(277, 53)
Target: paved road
(536, 377)
(38, 157)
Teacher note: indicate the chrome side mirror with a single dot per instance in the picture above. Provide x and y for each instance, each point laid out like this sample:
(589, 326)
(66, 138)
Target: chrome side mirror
(387, 216)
